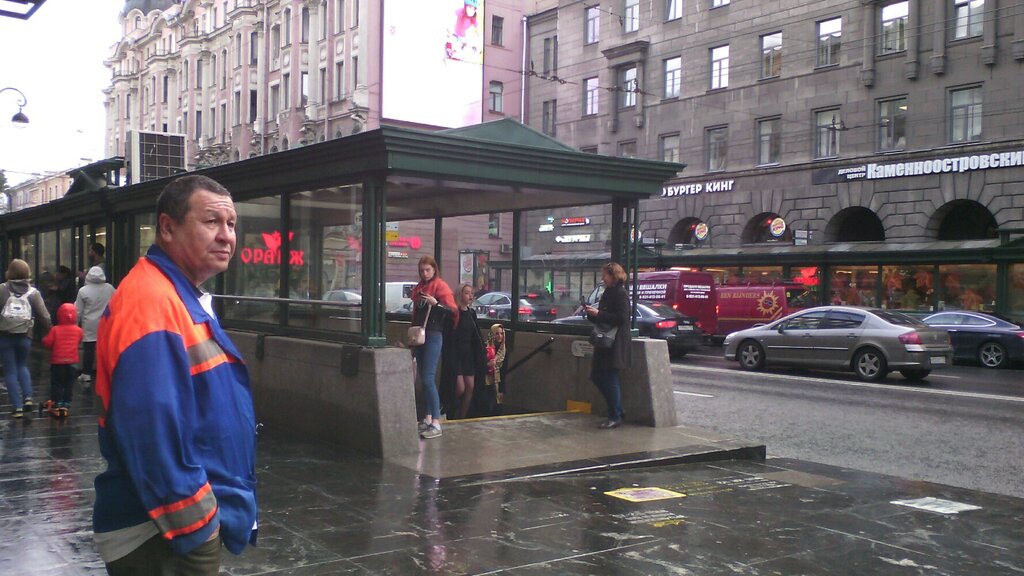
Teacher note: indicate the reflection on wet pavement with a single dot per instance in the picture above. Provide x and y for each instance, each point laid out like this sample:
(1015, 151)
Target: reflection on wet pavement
(330, 512)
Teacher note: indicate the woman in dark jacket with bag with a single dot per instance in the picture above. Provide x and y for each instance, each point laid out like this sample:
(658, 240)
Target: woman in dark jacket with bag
(612, 311)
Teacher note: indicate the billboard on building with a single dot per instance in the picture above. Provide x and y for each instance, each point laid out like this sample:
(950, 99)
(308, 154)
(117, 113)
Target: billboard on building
(432, 70)
(154, 155)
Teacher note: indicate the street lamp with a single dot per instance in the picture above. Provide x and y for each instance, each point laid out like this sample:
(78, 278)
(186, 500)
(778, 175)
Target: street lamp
(19, 120)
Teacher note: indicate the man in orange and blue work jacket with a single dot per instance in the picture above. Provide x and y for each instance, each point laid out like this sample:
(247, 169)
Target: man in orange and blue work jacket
(177, 428)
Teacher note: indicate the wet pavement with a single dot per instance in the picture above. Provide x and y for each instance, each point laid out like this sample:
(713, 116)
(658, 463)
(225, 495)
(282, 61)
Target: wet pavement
(473, 503)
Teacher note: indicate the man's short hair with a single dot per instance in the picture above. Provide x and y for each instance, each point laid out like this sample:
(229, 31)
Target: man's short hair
(174, 198)
(98, 249)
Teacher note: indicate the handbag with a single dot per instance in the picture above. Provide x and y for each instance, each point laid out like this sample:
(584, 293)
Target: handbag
(417, 335)
(603, 336)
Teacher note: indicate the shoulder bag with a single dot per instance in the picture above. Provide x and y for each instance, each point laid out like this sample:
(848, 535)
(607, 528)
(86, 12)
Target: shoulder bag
(417, 335)
(603, 336)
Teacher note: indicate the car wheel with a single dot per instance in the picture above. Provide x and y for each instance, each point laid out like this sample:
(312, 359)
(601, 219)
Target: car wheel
(915, 374)
(870, 365)
(992, 355)
(751, 355)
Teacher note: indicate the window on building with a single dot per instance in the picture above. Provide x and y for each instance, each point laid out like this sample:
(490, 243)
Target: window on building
(549, 117)
(627, 149)
(590, 95)
(286, 26)
(771, 55)
(716, 145)
(673, 76)
(968, 18)
(588, 149)
(627, 87)
(965, 115)
(275, 101)
(551, 55)
(717, 3)
(199, 73)
(224, 70)
(668, 147)
(827, 125)
(720, 67)
(213, 123)
(275, 43)
(253, 48)
(213, 68)
(631, 17)
(769, 140)
(830, 35)
(495, 95)
(497, 31)
(199, 125)
(893, 36)
(236, 106)
(339, 81)
(339, 16)
(286, 89)
(304, 25)
(127, 106)
(213, 22)
(673, 9)
(355, 14)
(322, 81)
(355, 72)
(892, 124)
(593, 24)
(304, 88)
(253, 105)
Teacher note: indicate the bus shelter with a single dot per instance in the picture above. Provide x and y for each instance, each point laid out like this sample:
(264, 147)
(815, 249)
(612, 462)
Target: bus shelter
(328, 237)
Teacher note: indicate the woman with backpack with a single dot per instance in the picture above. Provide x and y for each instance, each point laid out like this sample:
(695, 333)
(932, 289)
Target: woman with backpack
(20, 306)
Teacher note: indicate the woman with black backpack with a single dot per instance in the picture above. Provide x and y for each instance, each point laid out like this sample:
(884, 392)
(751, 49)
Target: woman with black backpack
(20, 306)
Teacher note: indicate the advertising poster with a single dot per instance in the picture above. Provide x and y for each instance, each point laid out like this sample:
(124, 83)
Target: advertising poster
(433, 62)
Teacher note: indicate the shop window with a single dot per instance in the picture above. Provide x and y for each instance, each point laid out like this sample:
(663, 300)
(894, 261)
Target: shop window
(854, 286)
(967, 287)
(145, 233)
(1015, 304)
(908, 287)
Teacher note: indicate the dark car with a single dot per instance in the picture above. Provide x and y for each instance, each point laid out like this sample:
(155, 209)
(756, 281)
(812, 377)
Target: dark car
(976, 336)
(661, 322)
(498, 306)
(542, 303)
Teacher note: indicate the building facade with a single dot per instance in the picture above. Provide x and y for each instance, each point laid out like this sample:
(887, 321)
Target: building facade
(240, 78)
(38, 191)
(880, 142)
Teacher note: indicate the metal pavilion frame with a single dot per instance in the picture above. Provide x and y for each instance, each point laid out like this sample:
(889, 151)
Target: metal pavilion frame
(507, 166)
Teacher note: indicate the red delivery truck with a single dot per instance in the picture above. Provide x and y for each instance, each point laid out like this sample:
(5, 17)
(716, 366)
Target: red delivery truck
(742, 306)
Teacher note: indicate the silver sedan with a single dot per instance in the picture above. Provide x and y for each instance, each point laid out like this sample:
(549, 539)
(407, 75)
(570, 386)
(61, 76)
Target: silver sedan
(870, 342)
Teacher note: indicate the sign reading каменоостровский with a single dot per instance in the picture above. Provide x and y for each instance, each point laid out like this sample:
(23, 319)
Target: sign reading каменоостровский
(877, 171)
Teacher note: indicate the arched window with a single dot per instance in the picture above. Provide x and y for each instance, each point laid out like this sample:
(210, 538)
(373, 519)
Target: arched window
(964, 220)
(767, 227)
(855, 224)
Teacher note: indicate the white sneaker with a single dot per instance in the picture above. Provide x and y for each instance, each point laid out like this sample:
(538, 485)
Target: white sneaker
(432, 431)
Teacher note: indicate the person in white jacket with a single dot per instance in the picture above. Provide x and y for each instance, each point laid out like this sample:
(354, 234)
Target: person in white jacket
(92, 300)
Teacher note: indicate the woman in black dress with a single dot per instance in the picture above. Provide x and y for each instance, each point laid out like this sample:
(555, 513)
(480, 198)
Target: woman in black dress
(469, 355)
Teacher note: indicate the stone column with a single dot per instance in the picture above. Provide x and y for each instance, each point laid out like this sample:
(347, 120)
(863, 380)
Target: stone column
(939, 32)
(867, 67)
(988, 45)
(913, 39)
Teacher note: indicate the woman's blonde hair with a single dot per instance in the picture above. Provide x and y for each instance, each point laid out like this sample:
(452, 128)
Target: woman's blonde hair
(18, 270)
(616, 271)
